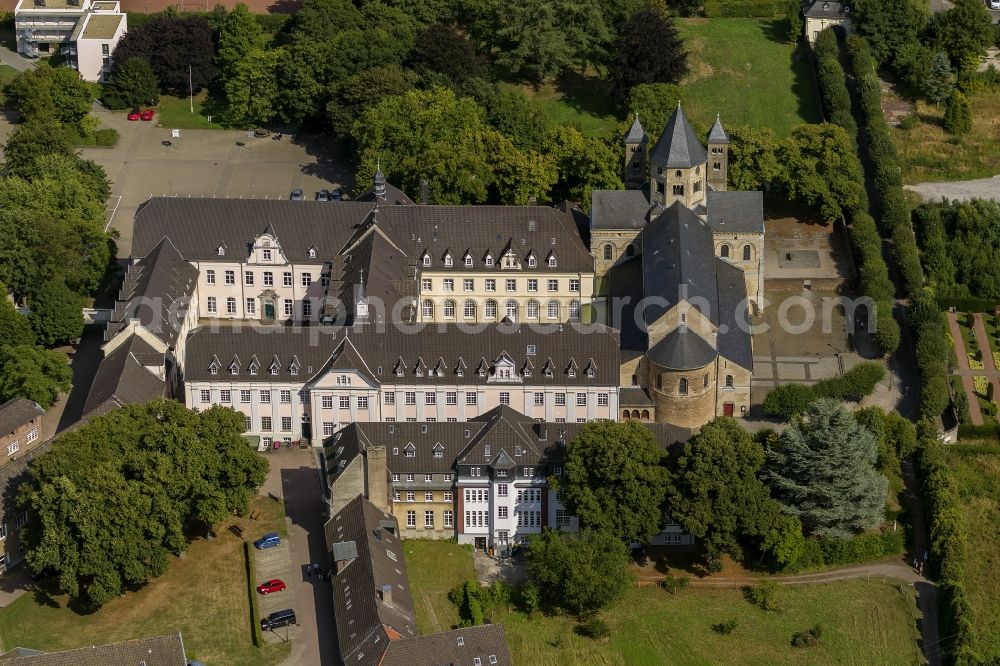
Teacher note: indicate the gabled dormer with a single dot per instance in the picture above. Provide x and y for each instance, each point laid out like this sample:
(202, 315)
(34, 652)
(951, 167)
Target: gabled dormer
(409, 451)
(460, 367)
(531, 259)
(425, 259)
(400, 367)
(234, 365)
(220, 249)
(312, 252)
(274, 367)
(549, 368)
(591, 369)
(572, 368)
(550, 260)
(266, 249)
(254, 365)
(504, 370)
(438, 450)
(420, 369)
(488, 258)
(293, 366)
(440, 367)
(508, 258)
(448, 258)
(467, 259)
(483, 368)
(214, 365)
(528, 368)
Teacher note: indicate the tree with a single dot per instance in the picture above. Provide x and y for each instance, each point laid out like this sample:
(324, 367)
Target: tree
(958, 114)
(56, 313)
(788, 400)
(752, 157)
(252, 90)
(239, 37)
(443, 49)
(821, 169)
(714, 492)
(888, 26)
(964, 32)
(793, 20)
(541, 38)
(912, 63)
(520, 177)
(824, 472)
(940, 81)
(613, 479)
(133, 83)
(111, 500)
(887, 333)
(648, 49)
(15, 328)
(52, 93)
(584, 164)
(364, 90)
(514, 116)
(27, 371)
(582, 571)
(31, 140)
(654, 103)
(181, 51)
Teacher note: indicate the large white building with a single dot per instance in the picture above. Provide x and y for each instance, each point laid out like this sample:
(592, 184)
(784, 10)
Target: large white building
(85, 32)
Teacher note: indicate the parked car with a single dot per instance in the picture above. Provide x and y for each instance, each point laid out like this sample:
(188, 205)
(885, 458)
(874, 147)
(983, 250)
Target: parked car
(994, 4)
(282, 618)
(336, 195)
(146, 115)
(296, 195)
(323, 195)
(134, 114)
(269, 540)
(273, 585)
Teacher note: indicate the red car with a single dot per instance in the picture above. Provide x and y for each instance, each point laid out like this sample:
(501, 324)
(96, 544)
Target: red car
(270, 586)
(134, 114)
(146, 115)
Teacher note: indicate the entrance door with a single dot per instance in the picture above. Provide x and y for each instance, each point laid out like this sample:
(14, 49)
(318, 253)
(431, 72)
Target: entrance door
(481, 543)
(728, 408)
(269, 311)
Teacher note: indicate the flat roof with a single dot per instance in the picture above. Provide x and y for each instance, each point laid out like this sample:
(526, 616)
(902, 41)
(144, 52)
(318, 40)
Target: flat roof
(102, 26)
(26, 5)
(105, 6)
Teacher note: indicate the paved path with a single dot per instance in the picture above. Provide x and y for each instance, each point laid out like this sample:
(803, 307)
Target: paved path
(976, 416)
(963, 190)
(983, 338)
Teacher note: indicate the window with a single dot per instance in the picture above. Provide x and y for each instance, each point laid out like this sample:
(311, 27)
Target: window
(427, 260)
(327, 428)
(447, 477)
(411, 518)
(312, 253)
(502, 489)
(265, 396)
(344, 401)
(491, 284)
(581, 399)
(230, 277)
(206, 395)
(212, 305)
(501, 512)
(448, 260)
(427, 309)
(426, 284)
(529, 471)
(469, 309)
(286, 423)
(430, 398)
(574, 284)
(552, 261)
(288, 307)
(428, 497)
(245, 396)
(247, 423)
(248, 278)
(362, 402)
(451, 398)
(746, 253)
(411, 397)
(327, 401)
(729, 381)
(409, 479)
(532, 284)
(265, 423)
(532, 262)
(504, 398)
(307, 307)
(468, 284)
(307, 279)
(511, 310)
(389, 398)
(562, 519)
(21, 520)
(511, 285)
(286, 279)
(553, 310)
(602, 399)
(539, 399)
(210, 276)
(12, 448)
(491, 309)
(449, 284)
(468, 261)
(449, 309)
(225, 395)
(679, 190)
(429, 519)
(286, 397)
(475, 471)
(489, 259)
(449, 518)
(609, 251)
(724, 251)
(574, 310)
(716, 166)
(267, 255)
(470, 398)
(704, 381)
(532, 310)
(683, 387)
(231, 305)
(553, 285)
(251, 306)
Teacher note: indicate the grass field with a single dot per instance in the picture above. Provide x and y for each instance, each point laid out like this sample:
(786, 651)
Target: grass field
(175, 112)
(978, 479)
(930, 154)
(863, 622)
(584, 101)
(203, 595)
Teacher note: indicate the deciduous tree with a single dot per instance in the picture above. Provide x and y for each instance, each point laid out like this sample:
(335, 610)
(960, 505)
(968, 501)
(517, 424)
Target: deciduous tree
(56, 313)
(964, 32)
(888, 26)
(647, 49)
(442, 48)
(821, 169)
(180, 50)
(27, 371)
(15, 329)
(252, 90)
(133, 83)
(752, 157)
(52, 93)
(356, 94)
(654, 103)
(584, 163)
(239, 36)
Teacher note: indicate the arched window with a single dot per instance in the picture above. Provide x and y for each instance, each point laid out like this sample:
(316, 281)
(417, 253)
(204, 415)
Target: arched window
(625, 415)
(659, 382)
(574, 310)
(705, 381)
(511, 310)
(553, 310)
(724, 251)
(635, 413)
(609, 252)
(449, 309)
(533, 309)
(630, 250)
(746, 253)
(729, 381)
(468, 261)
(678, 190)
(469, 309)
(683, 388)
(427, 309)
(678, 173)
(645, 413)
(491, 309)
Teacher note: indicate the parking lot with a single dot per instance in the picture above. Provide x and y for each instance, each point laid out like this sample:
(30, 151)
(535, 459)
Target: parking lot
(273, 563)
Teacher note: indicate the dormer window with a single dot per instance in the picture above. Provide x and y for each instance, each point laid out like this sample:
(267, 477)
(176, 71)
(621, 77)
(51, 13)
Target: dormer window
(518, 451)
(447, 260)
(312, 253)
(426, 260)
(221, 250)
(487, 450)
(571, 372)
(532, 262)
(410, 451)
(468, 261)
(489, 260)
(552, 260)
(293, 370)
(213, 370)
(234, 369)
(438, 450)
(253, 369)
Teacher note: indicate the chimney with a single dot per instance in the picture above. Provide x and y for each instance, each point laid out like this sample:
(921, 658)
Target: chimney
(387, 595)
(376, 478)
(425, 191)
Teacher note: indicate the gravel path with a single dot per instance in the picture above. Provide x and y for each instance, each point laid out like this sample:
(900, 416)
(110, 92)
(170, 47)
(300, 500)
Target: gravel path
(984, 188)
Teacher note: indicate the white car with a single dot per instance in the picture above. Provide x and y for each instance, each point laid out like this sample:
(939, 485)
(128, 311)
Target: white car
(994, 4)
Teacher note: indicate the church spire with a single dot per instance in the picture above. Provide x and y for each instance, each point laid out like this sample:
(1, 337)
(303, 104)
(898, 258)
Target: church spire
(379, 181)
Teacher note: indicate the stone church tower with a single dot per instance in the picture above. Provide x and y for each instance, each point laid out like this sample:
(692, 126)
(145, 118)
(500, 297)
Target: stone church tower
(718, 152)
(678, 163)
(635, 155)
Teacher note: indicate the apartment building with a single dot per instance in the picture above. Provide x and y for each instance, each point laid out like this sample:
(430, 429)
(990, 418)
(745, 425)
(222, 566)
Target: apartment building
(86, 32)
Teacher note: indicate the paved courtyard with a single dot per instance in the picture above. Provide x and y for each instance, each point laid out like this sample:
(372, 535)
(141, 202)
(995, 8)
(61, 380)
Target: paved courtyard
(797, 250)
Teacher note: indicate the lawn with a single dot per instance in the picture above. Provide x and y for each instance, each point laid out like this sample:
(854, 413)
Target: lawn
(203, 595)
(863, 622)
(978, 477)
(929, 153)
(175, 112)
(574, 99)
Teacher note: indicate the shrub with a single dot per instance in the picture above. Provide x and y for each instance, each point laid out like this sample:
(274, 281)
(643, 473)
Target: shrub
(967, 304)
(673, 585)
(744, 8)
(985, 431)
(819, 552)
(530, 597)
(725, 628)
(788, 400)
(904, 246)
(763, 594)
(958, 114)
(106, 138)
(808, 638)
(595, 628)
(960, 401)
(855, 384)
(887, 333)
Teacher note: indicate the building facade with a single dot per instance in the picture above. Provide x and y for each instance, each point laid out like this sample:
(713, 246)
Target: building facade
(86, 32)
(823, 14)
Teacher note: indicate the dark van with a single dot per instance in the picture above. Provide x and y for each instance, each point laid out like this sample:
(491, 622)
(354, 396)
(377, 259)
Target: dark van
(282, 618)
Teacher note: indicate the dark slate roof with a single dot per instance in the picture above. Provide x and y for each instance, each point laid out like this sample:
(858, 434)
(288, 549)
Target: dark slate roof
(375, 267)
(678, 146)
(734, 341)
(682, 349)
(459, 647)
(12, 474)
(366, 623)
(157, 291)
(738, 212)
(636, 134)
(122, 378)
(634, 396)
(718, 133)
(167, 650)
(16, 412)
(678, 262)
(824, 9)
(393, 196)
(414, 350)
(619, 209)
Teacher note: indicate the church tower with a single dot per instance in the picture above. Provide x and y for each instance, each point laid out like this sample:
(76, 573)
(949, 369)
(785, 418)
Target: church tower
(635, 155)
(718, 157)
(677, 165)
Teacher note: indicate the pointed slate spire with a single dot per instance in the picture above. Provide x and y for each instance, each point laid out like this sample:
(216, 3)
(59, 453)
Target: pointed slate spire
(678, 147)
(718, 132)
(636, 133)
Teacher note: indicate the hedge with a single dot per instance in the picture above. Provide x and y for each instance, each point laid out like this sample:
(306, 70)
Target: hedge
(969, 304)
(985, 431)
(904, 249)
(832, 86)
(791, 399)
(106, 138)
(820, 552)
(744, 8)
